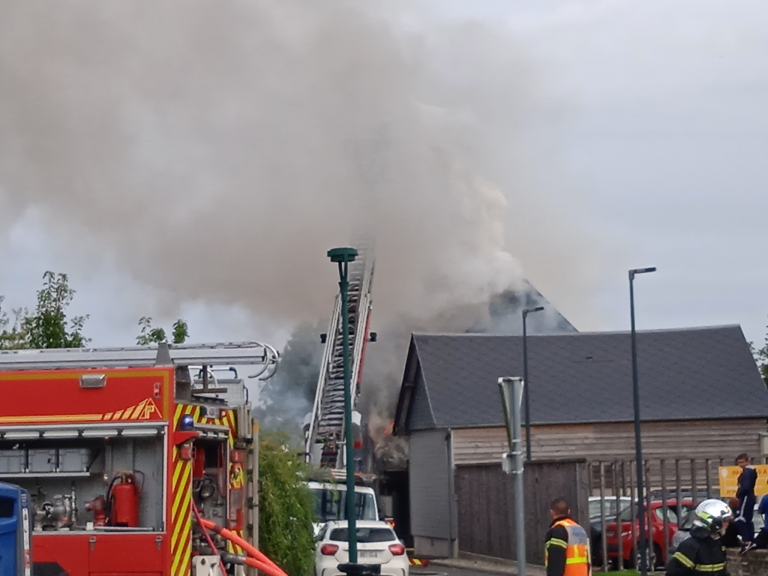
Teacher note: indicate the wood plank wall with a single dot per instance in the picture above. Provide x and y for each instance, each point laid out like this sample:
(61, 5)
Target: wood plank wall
(485, 502)
(689, 439)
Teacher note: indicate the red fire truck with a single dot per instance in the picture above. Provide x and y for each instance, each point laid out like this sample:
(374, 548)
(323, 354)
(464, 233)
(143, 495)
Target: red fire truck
(129, 453)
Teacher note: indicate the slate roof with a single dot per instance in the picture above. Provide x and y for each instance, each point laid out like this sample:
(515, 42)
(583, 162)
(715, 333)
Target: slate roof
(504, 314)
(688, 374)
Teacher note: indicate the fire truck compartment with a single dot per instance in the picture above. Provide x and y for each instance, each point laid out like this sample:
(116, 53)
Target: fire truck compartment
(64, 475)
(41, 460)
(73, 459)
(12, 461)
(209, 479)
(99, 554)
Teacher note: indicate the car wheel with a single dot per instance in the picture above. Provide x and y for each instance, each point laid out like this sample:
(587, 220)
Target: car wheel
(658, 558)
(650, 561)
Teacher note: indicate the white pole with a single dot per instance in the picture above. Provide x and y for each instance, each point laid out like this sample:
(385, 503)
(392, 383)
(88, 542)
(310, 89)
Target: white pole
(512, 395)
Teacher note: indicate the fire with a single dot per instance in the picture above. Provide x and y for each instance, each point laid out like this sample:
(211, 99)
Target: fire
(390, 428)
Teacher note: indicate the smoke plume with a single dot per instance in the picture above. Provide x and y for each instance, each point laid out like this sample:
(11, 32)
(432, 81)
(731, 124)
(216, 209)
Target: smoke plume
(286, 398)
(216, 150)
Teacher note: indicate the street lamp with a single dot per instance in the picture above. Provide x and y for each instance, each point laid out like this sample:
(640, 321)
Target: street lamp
(526, 388)
(638, 442)
(343, 256)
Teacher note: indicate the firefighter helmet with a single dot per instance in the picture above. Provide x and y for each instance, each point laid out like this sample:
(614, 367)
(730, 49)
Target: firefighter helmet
(711, 514)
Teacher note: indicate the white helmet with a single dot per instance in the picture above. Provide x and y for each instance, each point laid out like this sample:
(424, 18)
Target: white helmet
(711, 514)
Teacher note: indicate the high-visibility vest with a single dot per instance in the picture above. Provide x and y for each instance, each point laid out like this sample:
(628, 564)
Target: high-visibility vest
(576, 548)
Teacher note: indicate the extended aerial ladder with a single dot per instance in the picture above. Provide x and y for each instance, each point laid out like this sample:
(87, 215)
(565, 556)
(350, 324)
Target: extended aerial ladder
(325, 433)
(324, 426)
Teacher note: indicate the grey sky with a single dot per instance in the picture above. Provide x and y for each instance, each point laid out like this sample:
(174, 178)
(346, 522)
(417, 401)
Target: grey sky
(661, 114)
(657, 113)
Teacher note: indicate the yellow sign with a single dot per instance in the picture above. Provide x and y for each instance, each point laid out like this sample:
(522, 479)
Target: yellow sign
(729, 480)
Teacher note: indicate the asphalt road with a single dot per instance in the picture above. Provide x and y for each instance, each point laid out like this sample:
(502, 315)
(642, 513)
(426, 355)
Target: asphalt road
(445, 571)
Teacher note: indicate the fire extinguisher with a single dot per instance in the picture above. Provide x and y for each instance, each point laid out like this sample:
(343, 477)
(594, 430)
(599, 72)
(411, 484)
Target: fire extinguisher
(123, 499)
(236, 489)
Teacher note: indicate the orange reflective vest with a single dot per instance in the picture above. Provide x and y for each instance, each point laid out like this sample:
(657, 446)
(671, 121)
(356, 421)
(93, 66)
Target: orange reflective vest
(576, 548)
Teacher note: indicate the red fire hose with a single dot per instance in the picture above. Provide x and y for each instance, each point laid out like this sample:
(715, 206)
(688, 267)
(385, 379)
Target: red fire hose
(253, 563)
(257, 560)
(251, 550)
(208, 538)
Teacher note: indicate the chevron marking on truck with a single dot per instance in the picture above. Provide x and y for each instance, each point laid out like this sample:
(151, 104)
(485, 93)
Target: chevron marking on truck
(181, 510)
(144, 410)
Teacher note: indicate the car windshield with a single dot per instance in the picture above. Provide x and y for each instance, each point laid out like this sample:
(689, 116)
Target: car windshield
(626, 514)
(331, 505)
(610, 508)
(364, 535)
(672, 516)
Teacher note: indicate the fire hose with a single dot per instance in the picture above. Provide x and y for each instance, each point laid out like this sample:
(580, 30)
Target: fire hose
(243, 561)
(265, 564)
(207, 537)
(255, 559)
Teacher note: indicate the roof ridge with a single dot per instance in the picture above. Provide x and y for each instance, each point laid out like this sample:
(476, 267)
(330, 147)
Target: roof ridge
(699, 372)
(576, 334)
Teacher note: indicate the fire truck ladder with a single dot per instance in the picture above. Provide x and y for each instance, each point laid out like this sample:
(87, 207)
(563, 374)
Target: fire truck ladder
(326, 425)
(219, 354)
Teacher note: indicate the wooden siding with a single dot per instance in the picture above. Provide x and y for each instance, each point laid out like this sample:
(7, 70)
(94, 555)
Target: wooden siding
(485, 498)
(690, 439)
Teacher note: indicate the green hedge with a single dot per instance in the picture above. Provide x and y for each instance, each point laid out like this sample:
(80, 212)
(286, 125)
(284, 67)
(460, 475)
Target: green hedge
(286, 506)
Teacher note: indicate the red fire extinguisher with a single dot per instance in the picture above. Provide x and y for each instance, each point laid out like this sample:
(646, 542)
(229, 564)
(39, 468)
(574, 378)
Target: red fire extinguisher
(123, 499)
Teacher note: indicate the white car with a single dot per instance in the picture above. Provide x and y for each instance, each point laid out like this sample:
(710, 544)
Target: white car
(331, 503)
(377, 543)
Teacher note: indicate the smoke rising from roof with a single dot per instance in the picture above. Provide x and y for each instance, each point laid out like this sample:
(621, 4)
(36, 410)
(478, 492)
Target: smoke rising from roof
(500, 314)
(216, 150)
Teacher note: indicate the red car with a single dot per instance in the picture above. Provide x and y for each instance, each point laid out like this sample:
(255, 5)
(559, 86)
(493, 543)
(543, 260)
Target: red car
(658, 547)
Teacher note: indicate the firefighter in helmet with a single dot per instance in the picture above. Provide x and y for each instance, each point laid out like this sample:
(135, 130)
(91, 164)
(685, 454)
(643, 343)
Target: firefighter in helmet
(566, 551)
(703, 553)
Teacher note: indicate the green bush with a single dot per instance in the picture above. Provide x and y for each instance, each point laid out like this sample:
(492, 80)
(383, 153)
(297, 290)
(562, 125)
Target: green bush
(286, 506)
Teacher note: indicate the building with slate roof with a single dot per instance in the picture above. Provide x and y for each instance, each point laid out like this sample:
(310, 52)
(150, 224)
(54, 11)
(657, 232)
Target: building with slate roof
(505, 314)
(701, 396)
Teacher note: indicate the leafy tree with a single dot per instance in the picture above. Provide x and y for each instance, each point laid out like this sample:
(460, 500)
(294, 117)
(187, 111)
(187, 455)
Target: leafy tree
(763, 364)
(761, 357)
(180, 331)
(286, 506)
(11, 336)
(48, 326)
(151, 335)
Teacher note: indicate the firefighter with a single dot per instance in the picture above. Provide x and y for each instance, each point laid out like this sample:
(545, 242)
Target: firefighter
(747, 501)
(703, 554)
(566, 551)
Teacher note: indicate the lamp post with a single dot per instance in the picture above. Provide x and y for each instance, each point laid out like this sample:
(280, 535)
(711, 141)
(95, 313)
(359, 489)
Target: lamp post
(511, 389)
(526, 388)
(638, 441)
(343, 256)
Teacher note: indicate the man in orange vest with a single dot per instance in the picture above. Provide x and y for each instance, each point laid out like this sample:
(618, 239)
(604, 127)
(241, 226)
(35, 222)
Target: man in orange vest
(566, 551)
